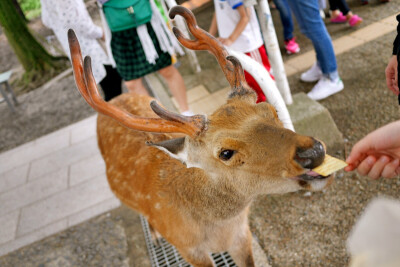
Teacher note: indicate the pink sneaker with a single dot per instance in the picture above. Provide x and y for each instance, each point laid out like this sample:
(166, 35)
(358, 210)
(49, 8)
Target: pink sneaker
(339, 18)
(291, 46)
(355, 20)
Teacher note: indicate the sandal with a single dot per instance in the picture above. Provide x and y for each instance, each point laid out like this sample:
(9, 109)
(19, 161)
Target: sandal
(355, 20)
(339, 18)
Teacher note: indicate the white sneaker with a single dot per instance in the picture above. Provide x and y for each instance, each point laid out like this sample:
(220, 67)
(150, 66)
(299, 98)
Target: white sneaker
(324, 88)
(312, 75)
(187, 113)
(322, 13)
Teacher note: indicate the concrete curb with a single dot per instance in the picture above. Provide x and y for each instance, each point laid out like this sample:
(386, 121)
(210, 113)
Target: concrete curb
(313, 119)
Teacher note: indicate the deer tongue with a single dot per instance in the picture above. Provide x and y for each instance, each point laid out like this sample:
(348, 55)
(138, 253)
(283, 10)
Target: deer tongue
(313, 173)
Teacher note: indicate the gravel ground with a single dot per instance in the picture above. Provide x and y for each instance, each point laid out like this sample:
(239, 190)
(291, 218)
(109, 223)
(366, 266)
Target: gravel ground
(76, 247)
(294, 229)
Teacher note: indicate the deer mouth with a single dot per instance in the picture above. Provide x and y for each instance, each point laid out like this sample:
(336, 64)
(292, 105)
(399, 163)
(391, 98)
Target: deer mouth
(310, 176)
(313, 181)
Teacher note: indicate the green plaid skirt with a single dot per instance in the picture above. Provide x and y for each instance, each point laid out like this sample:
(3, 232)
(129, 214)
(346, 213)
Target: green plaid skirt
(129, 54)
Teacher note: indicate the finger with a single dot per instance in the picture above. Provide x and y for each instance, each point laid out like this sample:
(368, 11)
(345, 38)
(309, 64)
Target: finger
(349, 168)
(366, 165)
(352, 166)
(389, 170)
(396, 88)
(377, 168)
(389, 77)
(393, 87)
(355, 157)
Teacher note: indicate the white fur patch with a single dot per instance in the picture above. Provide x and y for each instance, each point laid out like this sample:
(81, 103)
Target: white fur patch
(182, 156)
(317, 185)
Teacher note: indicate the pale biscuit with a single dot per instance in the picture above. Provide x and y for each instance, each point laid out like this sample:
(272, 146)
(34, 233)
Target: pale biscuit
(330, 165)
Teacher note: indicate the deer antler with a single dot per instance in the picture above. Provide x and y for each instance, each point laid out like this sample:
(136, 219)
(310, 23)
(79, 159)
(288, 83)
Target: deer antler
(204, 41)
(168, 123)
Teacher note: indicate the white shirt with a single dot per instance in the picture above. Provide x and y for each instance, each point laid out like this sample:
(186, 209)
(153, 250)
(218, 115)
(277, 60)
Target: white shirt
(61, 15)
(228, 17)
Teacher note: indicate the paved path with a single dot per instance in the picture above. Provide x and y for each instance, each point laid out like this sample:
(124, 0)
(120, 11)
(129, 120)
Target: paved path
(58, 180)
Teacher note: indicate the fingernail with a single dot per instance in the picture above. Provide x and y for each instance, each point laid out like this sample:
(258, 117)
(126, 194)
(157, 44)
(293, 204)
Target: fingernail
(384, 159)
(370, 161)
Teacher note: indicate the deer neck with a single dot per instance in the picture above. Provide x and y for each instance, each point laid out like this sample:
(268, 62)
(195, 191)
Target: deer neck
(205, 189)
(209, 198)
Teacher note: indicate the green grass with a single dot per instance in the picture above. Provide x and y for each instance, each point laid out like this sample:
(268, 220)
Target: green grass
(31, 8)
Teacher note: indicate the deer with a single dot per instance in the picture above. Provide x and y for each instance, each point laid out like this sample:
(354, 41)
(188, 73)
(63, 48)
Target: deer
(194, 177)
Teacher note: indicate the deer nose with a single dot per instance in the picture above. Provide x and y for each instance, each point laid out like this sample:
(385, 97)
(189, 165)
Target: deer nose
(311, 157)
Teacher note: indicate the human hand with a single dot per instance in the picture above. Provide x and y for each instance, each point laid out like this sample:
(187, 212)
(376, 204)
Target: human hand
(103, 37)
(225, 41)
(377, 154)
(391, 75)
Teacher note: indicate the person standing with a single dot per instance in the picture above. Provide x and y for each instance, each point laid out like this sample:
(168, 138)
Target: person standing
(324, 71)
(141, 43)
(291, 46)
(239, 30)
(60, 16)
(378, 153)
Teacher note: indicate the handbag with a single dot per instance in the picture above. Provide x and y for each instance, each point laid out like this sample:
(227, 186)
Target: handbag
(125, 14)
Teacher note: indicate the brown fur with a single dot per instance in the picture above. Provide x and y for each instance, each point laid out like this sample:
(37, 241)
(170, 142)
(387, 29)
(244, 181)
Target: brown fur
(202, 209)
(196, 191)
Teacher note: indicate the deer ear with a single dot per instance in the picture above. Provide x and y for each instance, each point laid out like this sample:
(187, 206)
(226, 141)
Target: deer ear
(173, 147)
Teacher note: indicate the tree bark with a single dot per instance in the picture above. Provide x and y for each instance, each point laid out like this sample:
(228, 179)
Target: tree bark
(19, 10)
(33, 57)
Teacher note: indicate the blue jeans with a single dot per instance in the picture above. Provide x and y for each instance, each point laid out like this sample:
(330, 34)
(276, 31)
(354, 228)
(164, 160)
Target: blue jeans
(286, 18)
(312, 25)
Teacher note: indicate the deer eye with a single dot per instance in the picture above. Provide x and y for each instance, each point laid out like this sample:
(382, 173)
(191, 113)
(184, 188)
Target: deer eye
(226, 154)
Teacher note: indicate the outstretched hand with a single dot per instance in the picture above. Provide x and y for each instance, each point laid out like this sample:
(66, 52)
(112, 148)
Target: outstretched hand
(378, 153)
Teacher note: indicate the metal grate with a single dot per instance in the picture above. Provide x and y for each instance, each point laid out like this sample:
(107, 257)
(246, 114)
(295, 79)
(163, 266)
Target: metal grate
(166, 254)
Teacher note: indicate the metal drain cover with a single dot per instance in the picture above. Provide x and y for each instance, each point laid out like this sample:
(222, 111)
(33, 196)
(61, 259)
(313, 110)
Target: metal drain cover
(166, 254)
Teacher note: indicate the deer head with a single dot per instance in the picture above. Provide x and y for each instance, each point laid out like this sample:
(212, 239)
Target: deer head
(212, 172)
(245, 138)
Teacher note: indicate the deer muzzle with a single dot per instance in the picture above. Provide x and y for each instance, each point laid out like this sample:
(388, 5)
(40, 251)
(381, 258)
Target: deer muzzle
(310, 158)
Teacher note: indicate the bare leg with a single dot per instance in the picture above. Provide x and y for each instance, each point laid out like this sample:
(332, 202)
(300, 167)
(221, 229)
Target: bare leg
(242, 252)
(349, 15)
(176, 85)
(335, 13)
(136, 86)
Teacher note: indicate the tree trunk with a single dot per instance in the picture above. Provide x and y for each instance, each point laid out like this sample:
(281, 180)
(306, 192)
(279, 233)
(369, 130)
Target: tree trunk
(19, 10)
(33, 57)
